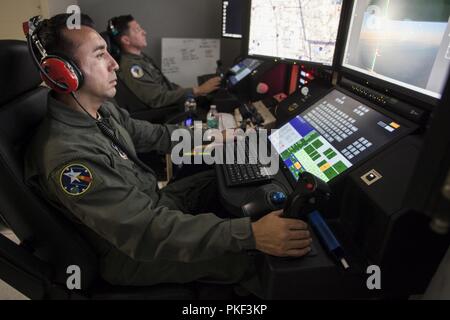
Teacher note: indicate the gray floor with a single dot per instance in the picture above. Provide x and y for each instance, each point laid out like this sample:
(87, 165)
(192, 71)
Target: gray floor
(7, 292)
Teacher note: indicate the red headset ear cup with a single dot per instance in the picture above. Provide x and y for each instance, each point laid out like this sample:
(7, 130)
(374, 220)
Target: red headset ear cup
(62, 71)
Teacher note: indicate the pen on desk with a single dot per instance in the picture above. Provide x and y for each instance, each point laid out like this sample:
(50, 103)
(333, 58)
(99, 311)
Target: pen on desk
(330, 241)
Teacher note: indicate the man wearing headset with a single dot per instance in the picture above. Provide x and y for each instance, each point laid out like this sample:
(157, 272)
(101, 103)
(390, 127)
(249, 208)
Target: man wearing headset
(83, 160)
(139, 72)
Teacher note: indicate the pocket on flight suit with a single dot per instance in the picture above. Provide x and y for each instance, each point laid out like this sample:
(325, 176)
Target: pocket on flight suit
(196, 193)
(128, 168)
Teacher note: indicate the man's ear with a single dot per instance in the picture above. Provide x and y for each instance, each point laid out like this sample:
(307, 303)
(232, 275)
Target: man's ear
(125, 40)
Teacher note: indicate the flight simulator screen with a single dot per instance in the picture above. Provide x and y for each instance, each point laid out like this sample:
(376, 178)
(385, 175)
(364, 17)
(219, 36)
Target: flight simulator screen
(243, 69)
(333, 135)
(405, 42)
(304, 30)
(232, 11)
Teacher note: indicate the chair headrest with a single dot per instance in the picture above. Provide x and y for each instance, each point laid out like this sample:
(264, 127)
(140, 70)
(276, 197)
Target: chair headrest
(113, 48)
(18, 74)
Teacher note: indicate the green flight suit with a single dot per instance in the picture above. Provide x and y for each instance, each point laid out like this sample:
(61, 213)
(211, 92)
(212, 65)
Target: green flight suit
(141, 234)
(146, 81)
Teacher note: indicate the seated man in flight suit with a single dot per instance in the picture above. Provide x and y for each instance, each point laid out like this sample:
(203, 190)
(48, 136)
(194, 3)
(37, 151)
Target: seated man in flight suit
(140, 73)
(143, 235)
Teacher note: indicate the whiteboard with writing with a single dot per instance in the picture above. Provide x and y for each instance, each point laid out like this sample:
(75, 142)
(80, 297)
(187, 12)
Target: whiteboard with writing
(184, 59)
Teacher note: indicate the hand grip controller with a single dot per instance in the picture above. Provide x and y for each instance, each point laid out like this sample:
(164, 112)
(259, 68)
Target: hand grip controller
(310, 194)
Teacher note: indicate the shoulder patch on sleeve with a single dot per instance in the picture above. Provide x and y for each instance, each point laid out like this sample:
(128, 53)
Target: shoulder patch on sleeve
(75, 179)
(136, 71)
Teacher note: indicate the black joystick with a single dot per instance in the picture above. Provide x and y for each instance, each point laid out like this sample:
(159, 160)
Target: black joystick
(310, 194)
(308, 198)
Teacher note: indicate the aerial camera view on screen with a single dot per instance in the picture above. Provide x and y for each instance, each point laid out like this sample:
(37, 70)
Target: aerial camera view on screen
(303, 30)
(405, 42)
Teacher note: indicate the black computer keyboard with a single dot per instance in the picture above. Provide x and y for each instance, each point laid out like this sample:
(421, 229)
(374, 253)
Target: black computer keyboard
(244, 172)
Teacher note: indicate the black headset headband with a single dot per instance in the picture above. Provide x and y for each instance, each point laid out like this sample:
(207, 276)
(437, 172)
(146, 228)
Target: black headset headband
(31, 29)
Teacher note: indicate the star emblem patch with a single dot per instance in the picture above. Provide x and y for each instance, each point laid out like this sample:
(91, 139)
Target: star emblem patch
(137, 71)
(75, 179)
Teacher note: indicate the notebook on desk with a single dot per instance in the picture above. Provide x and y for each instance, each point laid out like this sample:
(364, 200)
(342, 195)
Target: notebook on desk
(226, 121)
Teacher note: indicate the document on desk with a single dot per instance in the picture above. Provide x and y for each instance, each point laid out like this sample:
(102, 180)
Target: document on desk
(226, 121)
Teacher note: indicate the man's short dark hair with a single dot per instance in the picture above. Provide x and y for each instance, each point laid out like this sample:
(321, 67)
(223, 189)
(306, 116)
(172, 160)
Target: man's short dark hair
(51, 35)
(119, 26)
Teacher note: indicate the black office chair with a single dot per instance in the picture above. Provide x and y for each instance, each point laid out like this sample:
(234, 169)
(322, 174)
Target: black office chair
(48, 242)
(126, 99)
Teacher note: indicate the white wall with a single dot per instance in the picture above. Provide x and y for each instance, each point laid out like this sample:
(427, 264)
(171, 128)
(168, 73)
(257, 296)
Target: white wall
(59, 6)
(161, 18)
(166, 18)
(14, 12)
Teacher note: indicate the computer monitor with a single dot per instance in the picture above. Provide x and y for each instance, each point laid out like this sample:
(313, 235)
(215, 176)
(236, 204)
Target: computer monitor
(300, 30)
(232, 16)
(242, 70)
(403, 42)
(333, 135)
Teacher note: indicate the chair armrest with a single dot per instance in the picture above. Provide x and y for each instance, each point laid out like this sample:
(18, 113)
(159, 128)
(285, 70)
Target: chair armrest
(22, 270)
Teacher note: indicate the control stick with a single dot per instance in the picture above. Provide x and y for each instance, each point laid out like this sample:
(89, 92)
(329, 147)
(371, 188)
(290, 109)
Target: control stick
(309, 195)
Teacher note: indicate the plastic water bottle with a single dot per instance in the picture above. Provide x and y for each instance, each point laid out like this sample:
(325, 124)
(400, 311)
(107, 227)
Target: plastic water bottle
(212, 118)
